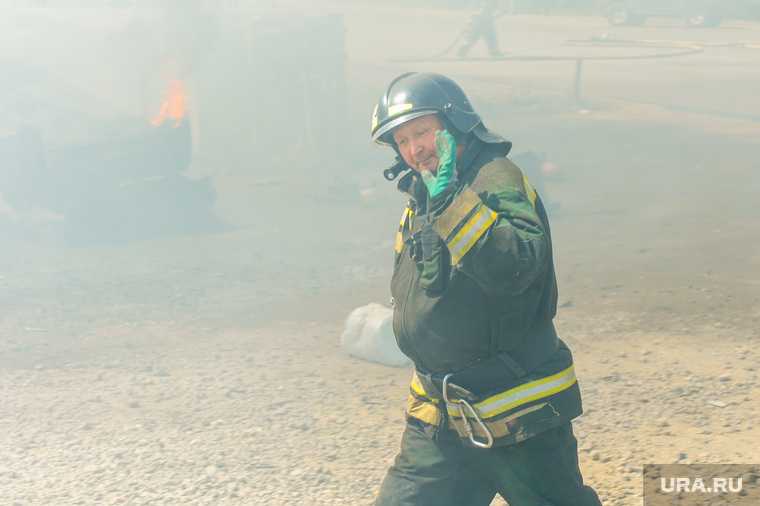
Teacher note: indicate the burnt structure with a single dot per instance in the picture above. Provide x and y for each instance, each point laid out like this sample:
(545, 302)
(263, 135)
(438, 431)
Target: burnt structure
(265, 96)
(111, 191)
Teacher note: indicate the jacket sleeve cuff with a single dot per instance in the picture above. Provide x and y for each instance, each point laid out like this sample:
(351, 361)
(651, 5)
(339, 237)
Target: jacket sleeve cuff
(462, 223)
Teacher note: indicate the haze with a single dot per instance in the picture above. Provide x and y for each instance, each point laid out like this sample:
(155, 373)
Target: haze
(190, 206)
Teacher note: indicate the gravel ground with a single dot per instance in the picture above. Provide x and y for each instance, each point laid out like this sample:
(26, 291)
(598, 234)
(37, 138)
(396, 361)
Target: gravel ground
(241, 417)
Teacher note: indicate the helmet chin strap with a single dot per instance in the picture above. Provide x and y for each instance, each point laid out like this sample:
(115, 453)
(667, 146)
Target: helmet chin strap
(397, 168)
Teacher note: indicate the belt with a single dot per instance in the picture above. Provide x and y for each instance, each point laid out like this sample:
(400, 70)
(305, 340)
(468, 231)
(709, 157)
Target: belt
(494, 385)
(482, 419)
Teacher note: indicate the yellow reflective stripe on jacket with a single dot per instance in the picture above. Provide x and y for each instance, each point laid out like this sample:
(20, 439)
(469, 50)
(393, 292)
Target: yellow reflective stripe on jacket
(471, 231)
(420, 406)
(424, 411)
(463, 223)
(405, 216)
(416, 386)
(468, 218)
(456, 214)
(417, 389)
(523, 394)
(530, 191)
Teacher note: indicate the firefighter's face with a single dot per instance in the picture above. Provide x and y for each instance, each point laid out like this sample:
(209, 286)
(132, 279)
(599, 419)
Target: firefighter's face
(415, 140)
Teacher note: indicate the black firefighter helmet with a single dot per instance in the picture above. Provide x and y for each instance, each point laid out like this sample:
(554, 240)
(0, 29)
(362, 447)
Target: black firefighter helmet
(417, 94)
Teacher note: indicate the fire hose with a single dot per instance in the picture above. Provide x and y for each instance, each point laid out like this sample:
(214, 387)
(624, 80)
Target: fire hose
(674, 48)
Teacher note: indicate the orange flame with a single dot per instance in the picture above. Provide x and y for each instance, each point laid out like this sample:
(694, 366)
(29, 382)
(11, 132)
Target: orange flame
(174, 106)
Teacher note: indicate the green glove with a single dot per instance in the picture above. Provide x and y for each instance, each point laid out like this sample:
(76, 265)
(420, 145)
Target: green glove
(446, 148)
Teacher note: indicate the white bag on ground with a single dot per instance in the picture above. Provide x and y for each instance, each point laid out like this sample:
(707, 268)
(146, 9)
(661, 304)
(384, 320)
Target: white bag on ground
(368, 335)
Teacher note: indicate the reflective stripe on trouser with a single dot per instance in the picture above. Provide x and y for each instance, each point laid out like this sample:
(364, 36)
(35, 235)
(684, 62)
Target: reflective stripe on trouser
(496, 411)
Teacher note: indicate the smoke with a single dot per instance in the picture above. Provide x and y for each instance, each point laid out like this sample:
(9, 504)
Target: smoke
(261, 197)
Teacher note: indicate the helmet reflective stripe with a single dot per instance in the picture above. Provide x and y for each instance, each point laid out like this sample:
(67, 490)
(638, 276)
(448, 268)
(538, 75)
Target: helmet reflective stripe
(374, 119)
(397, 109)
(390, 125)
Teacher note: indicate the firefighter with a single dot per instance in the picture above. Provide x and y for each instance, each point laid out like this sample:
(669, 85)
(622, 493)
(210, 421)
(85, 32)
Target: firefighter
(482, 25)
(474, 295)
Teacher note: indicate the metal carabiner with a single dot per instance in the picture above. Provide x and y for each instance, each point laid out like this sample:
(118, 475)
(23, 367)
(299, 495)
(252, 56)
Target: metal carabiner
(445, 387)
(466, 421)
(489, 437)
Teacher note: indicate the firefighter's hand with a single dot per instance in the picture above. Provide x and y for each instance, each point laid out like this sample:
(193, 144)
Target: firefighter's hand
(446, 149)
(429, 241)
(434, 271)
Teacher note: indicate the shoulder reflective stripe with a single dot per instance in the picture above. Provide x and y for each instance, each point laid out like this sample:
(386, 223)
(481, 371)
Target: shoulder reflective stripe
(396, 109)
(523, 394)
(468, 235)
(530, 191)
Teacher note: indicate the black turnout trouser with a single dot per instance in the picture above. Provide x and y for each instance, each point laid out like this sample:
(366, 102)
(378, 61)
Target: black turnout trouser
(542, 471)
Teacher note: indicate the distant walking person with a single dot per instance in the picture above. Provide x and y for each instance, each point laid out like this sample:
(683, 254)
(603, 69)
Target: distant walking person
(482, 27)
